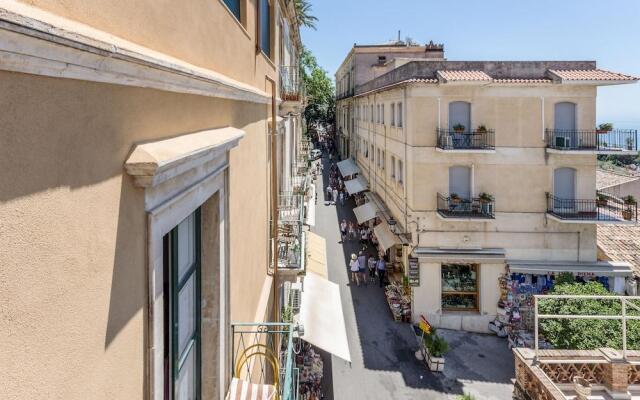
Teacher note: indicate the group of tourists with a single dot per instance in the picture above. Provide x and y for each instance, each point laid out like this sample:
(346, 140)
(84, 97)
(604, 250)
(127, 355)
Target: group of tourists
(336, 191)
(364, 264)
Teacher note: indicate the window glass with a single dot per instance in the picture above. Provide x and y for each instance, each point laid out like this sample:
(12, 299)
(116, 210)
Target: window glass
(393, 114)
(400, 170)
(265, 27)
(382, 160)
(234, 7)
(399, 114)
(459, 287)
(393, 167)
(382, 114)
(186, 313)
(186, 381)
(186, 246)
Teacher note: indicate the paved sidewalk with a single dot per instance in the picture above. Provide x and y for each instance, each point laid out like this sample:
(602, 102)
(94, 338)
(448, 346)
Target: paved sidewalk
(382, 350)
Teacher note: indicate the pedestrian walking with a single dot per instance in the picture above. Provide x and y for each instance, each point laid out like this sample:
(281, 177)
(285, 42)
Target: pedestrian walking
(352, 230)
(341, 196)
(329, 192)
(372, 268)
(335, 195)
(363, 236)
(354, 266)
(343, 230)
(362, 263)
(381, 267)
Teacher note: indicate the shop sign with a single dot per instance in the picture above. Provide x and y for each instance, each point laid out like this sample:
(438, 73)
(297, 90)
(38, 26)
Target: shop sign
(414, 272)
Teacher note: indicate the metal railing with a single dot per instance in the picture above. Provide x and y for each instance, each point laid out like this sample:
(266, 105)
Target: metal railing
(626, 303)
(594, 140)
(262, 353)
(450, 139)
(291, 88)
(605, 207)
(476, 207)
(347, 93)
(290, 243)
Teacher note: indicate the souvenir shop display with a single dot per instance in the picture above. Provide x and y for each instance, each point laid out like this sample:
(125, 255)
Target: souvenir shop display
(399, 301)
(459, 287)
(311, 365)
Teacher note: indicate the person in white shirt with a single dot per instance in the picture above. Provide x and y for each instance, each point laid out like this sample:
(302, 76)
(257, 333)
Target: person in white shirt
(354, 266)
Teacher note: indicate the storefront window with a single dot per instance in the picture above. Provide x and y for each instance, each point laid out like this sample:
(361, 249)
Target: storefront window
(460, 287)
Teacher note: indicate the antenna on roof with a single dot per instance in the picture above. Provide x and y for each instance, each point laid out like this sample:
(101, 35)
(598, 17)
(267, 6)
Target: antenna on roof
(398, 35)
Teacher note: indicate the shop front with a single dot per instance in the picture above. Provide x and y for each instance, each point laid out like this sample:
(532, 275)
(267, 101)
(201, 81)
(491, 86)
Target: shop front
(457, 288)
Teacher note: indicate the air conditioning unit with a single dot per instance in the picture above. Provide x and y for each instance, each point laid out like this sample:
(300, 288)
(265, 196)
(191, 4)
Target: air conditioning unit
(563, 142)
(295, 297)
(286, 293)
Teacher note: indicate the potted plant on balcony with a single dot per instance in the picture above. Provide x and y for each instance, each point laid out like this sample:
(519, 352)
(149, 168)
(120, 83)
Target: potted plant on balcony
(627, 212)
(482, 129)
(485, 198)
(458, 128)
(435, 348)
(604, 128)
(455, 198)
(602, 200)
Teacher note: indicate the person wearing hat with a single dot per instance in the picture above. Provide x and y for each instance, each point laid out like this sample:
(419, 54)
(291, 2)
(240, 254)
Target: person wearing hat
(354, 266)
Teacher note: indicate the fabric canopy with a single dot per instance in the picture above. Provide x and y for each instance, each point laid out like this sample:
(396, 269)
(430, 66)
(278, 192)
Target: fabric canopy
(317, 255)
(355, 185)
(386, 238)
(607, 268)
(348, 167)
(365, 212)
(322, 318)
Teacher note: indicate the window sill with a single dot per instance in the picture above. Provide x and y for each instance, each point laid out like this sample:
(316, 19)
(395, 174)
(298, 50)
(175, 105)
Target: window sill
(233, 16)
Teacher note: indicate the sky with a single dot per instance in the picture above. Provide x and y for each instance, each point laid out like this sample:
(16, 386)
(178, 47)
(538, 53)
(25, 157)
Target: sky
(607, 31)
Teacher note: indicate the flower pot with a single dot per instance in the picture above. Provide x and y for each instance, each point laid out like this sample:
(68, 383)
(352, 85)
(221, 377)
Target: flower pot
(458, 130)
(582, 388)
(627, 214)
(436, 364)
(456, 200)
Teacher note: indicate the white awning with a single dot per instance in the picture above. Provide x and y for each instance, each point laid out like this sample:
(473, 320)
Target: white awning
(355, 185)
(348, 167)
(605, 268)
(386, 238)
(365, 212)
(322, 318)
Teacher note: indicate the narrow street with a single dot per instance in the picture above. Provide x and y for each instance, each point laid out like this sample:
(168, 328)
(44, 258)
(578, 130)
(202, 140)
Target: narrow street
(382, 350)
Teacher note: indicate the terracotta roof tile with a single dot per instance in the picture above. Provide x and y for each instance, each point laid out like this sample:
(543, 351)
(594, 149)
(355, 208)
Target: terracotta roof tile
(621, 243)
(605, 179)
(467, 76)
(522, 80)
(591, 75)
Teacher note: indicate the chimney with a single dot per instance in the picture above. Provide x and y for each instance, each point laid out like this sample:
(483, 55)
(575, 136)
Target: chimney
(434, 50)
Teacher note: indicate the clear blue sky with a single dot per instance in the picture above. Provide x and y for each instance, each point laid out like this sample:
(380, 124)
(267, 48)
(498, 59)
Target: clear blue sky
(607, 31)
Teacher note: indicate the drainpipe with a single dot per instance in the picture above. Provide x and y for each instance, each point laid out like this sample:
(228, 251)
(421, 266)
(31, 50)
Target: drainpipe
(406, 162)
(274, 199)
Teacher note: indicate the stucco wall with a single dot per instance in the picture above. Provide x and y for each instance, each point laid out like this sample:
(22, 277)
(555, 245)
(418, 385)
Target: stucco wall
(73, 278)
(201, 32)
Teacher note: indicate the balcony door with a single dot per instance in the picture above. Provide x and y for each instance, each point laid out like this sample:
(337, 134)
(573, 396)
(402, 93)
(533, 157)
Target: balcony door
(565, 125)
(564, 189)
(460, 182)
(460, 114)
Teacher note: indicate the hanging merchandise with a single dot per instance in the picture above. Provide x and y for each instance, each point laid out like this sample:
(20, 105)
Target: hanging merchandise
(311, 365)
(399, 302)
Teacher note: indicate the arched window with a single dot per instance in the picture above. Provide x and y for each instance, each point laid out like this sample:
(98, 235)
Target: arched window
(460, 114)
(460, 181)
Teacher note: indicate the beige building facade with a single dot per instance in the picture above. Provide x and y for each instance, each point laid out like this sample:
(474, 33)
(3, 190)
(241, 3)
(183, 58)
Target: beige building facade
(480, 166)
(140, 187)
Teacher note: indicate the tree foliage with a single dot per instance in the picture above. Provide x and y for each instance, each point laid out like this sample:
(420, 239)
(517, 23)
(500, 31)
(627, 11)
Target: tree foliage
(303, 14)
(320, 90)
(586, 334)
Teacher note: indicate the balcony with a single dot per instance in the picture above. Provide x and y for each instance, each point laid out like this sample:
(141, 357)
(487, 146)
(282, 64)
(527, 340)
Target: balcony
(466, 141)
(451, 207)
(605, 209)
(262, 354)
(345, 94)
(290, 84)
(620, 141)
(290, 242)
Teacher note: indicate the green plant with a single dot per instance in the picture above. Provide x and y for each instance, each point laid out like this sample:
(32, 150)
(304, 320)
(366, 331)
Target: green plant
(458, 127)
(586, 334)
(565, 278)
(486, 197)
(287, 314)
(454, 196)
(602, 197)
(435, 344)
(482, 129)
(605, 127)
(466, 396)
(629, 200)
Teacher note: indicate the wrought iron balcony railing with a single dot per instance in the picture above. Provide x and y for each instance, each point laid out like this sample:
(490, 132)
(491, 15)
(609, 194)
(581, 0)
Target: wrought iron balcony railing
(451, 139)
(455, 207)
(592, 140)
(605, 208)
(291, 88)
(290, 231)
(262, 354)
